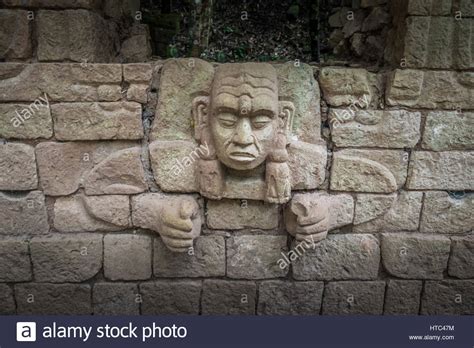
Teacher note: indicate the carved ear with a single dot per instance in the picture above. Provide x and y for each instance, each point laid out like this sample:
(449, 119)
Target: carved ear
(200, 115)
(287, 113)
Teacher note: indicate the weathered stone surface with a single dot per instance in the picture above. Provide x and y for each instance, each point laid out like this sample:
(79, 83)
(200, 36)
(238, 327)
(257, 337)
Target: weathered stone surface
(137, 72)
(223, 297)
(354, 23)
(448, 130)
(17, 167)
(355, 87)
(307, 164)
(15, 265)
(23, 214)
(115, 299)
(118, 9)
(239, 214)
(345, 256)
(378, 171)
(59, 33)
(7, 302)
(375, 128)
(66, 258)
(403, 297)
(206, 259)
(448, 297)
(388, 213)
(53, 299)
(451, 170)
(97, 121)
(137, 47)
(15, 34)
(60, 82)
(120, 173)
(462, 257)
(170, 297)
(91, 213)
(429, 7)
(63, 4)
(443, 213)
(431, 89)
(71, 162)
(127, 257)
(278, 297)
(181, 80)
(466, 7)
(353, 297)
(376, 20)
(109, 92)
(256, 256)
(35, 121)
(138, 93)
(415, 256)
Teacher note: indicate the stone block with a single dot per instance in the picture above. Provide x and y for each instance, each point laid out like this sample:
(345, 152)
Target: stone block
(307, 163)
(277, 297)
(17, 167)
(60, 82)
(223, 297)
(388, 213)
(256, 256)
(415, 256)
(403, 297)
(206, 259)
(127, 257)
(354, 297)
(453, 170)
(240, 214)
(136, 48)
(59, 33)
(138, 93)
(344, 256)
(466, 7)
(429, 7)
(448, 297)
(430, 89)
(7, 301)
(25, 121)
(375, 128)
(377, 171)
(170, 297)
(115, 299)
(443, 213)
(91, 213)
(66, 258)
(53, 299)
(448, 130)
(97, 121)
(15, 265)
(462, 257)
(137, 72)
(23, 214)
(118, 9)
(15, 34)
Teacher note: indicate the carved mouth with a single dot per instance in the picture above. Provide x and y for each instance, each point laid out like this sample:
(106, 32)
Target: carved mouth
(242, 156)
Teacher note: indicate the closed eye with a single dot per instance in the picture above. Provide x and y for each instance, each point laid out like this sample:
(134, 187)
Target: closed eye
(227, 120)
(260, 121)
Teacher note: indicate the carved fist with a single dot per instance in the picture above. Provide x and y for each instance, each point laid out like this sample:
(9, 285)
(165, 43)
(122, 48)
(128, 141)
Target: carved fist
(307, 218)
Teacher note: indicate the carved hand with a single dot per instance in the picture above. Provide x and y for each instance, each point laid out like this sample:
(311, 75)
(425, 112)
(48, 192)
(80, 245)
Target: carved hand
(307, 219)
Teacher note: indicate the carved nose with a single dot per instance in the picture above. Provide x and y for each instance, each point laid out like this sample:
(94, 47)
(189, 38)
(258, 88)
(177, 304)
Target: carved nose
(243, 133)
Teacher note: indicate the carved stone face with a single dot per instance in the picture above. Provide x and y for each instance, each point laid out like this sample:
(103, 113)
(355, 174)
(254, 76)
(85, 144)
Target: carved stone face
(244, 114)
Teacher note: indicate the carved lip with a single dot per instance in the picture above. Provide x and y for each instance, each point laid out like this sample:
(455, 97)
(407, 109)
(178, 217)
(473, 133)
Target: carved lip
(242, 156)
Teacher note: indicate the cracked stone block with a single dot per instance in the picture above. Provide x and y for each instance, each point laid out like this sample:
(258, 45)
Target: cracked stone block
(7, 302)
(97, 121)
(278, 297)
(53, 299)
(171, 297)
(448, 297)
(375, 128)
(240, 214)
(415, 256)
(344, 256)
(354, 297)
(403, 297)
(387, 213)
(15, 265)
(450, 170)
(445, 213)
(224, 297)
(15, 34)
(115, 299)
(66, 258)
(377, 171)
(23, 214)
(462, 257)
(17, 167)
(25, 121)
(256, 257)
(206, 259)
(127, 257)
